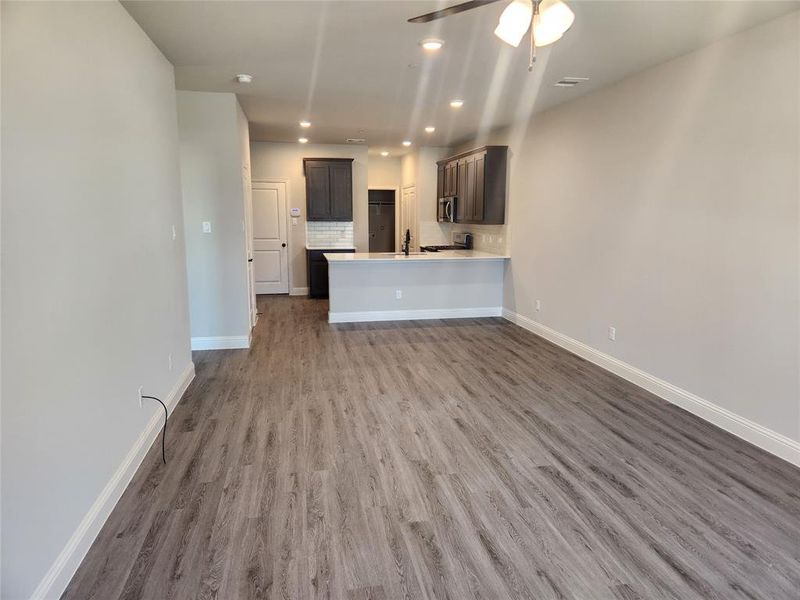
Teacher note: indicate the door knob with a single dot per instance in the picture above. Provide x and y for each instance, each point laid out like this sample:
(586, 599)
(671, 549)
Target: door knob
(283, 245)
(249, 260)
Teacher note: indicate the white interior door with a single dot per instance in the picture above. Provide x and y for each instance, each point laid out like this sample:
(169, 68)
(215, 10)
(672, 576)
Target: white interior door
(248, 236)
(408, 216)
(270, 252)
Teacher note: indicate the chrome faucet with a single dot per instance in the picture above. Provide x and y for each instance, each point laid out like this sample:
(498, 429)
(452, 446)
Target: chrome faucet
(407, 242)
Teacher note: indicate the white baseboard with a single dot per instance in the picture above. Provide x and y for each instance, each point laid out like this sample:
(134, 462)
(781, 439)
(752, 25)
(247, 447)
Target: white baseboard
(229, 342)
(61, 571)
(299, 291)
(758, 435)
(413, 315)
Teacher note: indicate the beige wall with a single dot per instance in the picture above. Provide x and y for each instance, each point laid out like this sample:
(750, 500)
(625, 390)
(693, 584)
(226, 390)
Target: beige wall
(285, 161)
(667, 206)
(212, 129)
(418, 168)
(94, 286)
(383, 172)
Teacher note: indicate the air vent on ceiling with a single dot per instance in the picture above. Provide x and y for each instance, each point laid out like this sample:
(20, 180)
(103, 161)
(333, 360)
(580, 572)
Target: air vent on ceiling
(356, 140)
(570, 81)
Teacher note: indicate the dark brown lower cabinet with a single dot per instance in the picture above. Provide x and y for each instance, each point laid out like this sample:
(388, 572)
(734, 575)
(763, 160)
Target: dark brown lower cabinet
(317, 269)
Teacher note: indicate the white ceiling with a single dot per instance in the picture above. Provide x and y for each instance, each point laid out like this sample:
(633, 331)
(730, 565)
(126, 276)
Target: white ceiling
(356, 70)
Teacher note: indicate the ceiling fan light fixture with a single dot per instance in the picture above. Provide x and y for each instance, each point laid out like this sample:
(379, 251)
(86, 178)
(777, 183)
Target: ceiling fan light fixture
(552, 21)
(514, 22)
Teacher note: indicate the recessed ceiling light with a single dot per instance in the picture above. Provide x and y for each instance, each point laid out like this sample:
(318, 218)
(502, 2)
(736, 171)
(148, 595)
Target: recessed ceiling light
(244, 78)
(430, 129)
(456, 103)
(305, 123)
(432, 44)
(302, 140)
(384, 153)
(406, 143)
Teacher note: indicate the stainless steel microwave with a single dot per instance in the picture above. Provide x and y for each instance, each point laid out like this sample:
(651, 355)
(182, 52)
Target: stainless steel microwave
(447, 209)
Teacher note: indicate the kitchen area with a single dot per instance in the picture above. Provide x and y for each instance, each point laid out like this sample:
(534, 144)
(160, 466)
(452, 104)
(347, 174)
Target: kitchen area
(432, 260)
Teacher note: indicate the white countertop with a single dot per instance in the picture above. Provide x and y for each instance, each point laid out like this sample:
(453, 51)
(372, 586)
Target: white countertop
(309, 247)
(391, 257)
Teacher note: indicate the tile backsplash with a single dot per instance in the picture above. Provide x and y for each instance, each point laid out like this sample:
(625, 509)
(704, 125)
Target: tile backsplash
(488, 238)
(329, 234)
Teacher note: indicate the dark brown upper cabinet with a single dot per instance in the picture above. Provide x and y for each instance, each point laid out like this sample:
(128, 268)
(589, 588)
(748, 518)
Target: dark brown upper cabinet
(478, 181)
(329, 189)
(451, 178)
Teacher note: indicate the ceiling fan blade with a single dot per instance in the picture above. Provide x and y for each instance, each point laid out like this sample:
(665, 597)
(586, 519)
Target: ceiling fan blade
(450, 10)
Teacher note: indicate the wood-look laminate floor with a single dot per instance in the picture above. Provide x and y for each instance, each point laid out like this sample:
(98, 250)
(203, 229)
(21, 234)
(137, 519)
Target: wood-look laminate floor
(439, 459)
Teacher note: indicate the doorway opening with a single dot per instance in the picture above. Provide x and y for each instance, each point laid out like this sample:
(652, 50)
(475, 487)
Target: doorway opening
(408, 215)
(381, 220)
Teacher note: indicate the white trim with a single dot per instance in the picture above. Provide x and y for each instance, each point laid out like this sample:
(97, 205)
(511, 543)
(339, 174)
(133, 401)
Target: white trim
(299, 291)
(758, 435)
(226, 342)
(61, 571)
(414, 315)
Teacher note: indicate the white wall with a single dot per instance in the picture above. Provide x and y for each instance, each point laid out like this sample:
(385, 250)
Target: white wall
(285, 161)
(94, 287)
(212, 154)
(667, 206)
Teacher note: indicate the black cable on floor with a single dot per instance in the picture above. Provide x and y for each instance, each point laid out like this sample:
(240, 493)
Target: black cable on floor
(164, 431)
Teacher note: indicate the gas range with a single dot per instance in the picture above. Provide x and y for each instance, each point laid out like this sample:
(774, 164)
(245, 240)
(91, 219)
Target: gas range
(437, 248)
(461, 241)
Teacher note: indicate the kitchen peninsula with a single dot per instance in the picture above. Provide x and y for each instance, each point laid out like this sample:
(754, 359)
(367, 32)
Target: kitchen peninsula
(437, 285)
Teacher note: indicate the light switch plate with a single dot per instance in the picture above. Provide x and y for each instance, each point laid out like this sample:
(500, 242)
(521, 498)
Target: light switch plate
(206, 226)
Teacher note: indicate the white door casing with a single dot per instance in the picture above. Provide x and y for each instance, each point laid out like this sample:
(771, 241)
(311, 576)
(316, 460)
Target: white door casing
(270, 239)
(408, 216)
(248, 236)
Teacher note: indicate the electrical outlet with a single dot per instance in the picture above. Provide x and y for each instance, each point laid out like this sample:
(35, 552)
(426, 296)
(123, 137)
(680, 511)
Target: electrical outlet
(398, 294)
(169, 360)
(612, 333)
(538, 305)
(140, 396)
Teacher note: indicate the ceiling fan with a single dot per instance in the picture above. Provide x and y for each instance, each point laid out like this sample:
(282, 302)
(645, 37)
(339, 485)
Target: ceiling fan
(547, 21)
